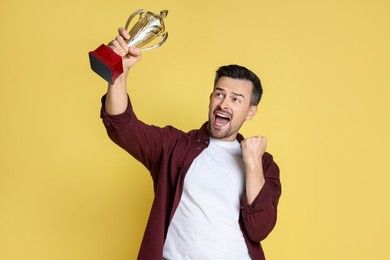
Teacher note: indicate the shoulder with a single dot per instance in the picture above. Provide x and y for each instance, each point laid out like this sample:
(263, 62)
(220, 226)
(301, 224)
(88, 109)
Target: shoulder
(170, 133)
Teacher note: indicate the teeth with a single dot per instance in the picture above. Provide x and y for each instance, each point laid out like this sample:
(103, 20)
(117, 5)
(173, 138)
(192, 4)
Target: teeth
(220, 115)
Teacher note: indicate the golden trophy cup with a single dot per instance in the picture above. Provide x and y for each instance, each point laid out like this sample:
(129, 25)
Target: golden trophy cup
(150, 26)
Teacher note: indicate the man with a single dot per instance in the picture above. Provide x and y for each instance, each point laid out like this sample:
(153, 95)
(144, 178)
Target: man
(216, 193)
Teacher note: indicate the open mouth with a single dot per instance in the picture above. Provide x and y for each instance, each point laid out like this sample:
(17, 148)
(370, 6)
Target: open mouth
(221, 119)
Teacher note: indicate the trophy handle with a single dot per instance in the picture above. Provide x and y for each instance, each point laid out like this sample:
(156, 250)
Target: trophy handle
(165, 36)
(140, 11)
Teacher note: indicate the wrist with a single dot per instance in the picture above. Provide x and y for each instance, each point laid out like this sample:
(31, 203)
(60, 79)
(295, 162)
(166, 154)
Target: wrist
(253, 160)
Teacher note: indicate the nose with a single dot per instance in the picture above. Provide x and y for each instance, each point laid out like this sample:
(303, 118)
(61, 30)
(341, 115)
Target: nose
(224, 104)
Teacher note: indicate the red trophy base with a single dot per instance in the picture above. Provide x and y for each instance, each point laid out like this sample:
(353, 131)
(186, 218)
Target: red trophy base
(106, 63)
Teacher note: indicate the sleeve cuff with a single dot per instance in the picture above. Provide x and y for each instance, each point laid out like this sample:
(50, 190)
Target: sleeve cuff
(260, 202)
(109, 119)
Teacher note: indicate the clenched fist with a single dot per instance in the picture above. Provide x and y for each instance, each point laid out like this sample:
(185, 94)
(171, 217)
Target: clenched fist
(130, 55)
(253, 148)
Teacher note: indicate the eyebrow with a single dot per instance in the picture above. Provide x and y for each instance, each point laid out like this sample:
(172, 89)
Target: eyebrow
(236, 94)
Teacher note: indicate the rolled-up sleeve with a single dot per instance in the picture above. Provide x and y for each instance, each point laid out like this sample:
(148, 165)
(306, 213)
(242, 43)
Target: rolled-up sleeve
(259, 218)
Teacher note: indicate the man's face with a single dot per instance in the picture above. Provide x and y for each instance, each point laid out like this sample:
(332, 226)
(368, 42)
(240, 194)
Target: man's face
(230, 107)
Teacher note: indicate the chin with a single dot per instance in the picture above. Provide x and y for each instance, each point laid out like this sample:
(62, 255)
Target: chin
(219, 134)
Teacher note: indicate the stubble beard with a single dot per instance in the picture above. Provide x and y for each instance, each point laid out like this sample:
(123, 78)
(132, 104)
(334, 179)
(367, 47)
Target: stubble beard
(219, 134)
(222, 134)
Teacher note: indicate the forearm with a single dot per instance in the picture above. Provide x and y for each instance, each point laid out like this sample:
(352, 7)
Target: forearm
(254, 179)
(259, 216)
(116, 98)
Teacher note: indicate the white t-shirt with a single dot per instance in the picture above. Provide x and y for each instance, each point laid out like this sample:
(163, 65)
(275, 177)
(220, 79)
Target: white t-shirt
(205, 224)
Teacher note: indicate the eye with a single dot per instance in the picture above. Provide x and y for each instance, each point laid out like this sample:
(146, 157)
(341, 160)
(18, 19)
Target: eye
(236, 100)
(218, 94)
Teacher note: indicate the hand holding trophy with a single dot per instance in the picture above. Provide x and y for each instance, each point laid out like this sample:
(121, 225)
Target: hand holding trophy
(107, 64)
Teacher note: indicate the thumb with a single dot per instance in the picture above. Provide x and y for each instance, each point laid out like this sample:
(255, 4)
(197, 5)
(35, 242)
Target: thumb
(134, 51)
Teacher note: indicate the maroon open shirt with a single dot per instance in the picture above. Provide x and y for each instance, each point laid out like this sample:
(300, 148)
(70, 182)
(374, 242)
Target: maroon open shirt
(168, 153)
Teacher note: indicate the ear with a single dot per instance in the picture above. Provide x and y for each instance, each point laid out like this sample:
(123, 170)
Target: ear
(251, 112)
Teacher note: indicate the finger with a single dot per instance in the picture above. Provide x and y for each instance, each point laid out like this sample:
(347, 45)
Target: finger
(116, 47)
(113, 46)
(122, 43)
(125, 34)
(263, 142)
(134, 51)
(255, 139)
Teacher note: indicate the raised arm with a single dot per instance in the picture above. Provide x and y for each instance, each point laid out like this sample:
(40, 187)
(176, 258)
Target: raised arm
(116, 98)
(263, 189)
(252, 152)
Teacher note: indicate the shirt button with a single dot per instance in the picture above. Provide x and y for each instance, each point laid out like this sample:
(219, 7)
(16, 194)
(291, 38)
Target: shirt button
(199, 148)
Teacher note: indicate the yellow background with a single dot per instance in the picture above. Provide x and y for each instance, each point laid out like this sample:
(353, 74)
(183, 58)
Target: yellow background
(67, 192)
